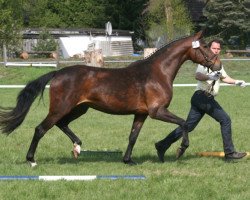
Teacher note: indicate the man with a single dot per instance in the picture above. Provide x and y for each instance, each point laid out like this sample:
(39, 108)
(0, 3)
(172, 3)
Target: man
(203, 102)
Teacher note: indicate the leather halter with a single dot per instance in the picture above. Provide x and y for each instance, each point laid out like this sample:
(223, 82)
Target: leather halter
(208, 60)
(208, 64)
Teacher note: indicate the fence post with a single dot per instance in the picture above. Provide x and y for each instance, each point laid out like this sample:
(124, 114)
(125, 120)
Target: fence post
(57, 58)
(4, 55)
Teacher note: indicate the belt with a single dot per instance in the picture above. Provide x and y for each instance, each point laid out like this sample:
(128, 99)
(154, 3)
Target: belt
(204, 93)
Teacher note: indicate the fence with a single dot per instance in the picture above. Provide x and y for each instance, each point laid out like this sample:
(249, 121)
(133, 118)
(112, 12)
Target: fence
(30, 64)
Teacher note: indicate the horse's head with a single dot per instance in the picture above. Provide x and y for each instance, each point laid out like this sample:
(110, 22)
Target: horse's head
(200, 53)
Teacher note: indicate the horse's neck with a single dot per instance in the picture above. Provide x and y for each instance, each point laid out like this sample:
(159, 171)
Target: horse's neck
(170, 60)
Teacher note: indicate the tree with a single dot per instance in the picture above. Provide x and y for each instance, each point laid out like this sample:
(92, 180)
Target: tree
(228, 20)
(10, 24)
(82, 13)
(246, 4)
(131, 18)
(65, 13)
(42, 13)
(45, 42)
(85, 14)
(167, 20)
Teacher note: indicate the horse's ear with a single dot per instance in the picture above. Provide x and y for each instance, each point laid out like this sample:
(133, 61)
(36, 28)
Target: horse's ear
(199, 35)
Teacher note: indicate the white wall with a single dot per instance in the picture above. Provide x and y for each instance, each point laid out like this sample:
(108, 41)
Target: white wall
(76, 45)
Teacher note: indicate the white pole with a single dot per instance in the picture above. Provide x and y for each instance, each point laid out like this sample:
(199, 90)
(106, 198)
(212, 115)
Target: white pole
(4, 55)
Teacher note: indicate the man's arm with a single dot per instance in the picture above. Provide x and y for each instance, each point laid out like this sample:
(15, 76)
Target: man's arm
(230, 80)
(203, 77)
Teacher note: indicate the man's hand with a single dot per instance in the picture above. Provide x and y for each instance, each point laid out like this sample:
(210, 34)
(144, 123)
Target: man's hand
(240, 83)
(214, 76)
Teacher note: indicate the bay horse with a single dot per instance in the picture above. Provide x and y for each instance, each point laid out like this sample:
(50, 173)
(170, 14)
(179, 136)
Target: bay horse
(143, 88)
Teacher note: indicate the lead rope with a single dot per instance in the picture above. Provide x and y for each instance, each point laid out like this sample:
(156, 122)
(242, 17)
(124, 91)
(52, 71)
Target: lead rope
(210, 89)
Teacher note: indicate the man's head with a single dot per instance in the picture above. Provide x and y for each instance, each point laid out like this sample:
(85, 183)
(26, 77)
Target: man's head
(215, 46)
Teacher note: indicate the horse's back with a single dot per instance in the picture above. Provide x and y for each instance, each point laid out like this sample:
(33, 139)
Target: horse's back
(117, 91)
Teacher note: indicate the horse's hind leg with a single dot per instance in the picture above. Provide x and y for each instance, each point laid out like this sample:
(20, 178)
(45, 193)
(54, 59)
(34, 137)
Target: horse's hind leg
(40, 130)
(64, 122)
(52, 118)
(136, 127)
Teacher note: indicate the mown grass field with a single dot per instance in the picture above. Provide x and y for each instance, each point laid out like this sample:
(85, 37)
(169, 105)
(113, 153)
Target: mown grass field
(190, 177)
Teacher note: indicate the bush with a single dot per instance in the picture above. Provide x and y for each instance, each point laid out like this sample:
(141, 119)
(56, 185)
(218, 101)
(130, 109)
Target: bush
(46, 42)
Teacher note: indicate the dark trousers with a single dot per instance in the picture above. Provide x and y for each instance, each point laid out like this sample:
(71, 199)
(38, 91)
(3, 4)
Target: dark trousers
(202, 104)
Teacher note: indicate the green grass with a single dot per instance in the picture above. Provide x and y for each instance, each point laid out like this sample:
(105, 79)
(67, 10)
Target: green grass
(190, 177)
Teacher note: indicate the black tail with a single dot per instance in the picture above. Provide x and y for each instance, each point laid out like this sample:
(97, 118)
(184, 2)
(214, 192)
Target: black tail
(11, 118)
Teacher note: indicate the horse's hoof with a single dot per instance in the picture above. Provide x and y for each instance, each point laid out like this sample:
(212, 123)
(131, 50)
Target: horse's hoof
(129, 162)
(180, 152)
(76, 150)
(32, 164)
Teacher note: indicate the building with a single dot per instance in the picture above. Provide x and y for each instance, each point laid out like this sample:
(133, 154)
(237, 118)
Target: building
(74, 42)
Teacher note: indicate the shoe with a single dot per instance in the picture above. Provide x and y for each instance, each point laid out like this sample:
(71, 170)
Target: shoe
(235, 155)
(161, 151)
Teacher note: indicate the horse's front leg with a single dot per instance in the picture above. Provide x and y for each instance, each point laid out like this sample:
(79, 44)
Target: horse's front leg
(161, 113)
(185, 142)
(136, 127)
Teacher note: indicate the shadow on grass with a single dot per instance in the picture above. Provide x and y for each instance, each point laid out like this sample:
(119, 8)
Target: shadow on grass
(139, 160)
(118, 159)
